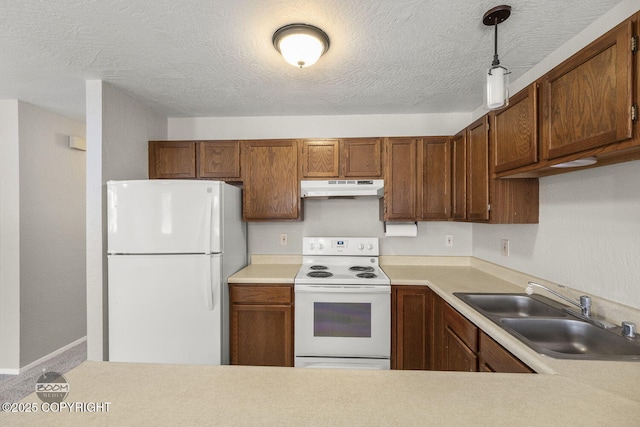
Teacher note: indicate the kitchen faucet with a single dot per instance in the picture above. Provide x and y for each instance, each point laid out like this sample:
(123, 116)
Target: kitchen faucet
(585, 300)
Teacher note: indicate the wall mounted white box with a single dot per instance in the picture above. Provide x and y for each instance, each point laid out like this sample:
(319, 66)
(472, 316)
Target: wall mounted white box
(78, 143)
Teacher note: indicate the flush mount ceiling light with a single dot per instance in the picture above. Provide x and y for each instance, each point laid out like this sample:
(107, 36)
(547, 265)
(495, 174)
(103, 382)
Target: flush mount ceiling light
(301, 45)
(497, 91)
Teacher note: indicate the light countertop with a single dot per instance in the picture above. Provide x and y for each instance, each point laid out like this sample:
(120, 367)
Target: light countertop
(446, 275)
(143, 394)
(564, 392)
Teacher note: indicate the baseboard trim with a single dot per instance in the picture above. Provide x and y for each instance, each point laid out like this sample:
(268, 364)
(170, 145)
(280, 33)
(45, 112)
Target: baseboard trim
(43, 359)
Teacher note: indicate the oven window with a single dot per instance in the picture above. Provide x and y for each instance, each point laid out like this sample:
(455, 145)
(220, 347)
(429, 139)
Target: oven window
(341, 319)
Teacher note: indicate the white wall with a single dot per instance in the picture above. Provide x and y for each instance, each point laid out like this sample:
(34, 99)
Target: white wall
(588, 237)
(118, 130)
(589, 232)
(52, 234)
(9, 238)
(316, 126)
(357, 217)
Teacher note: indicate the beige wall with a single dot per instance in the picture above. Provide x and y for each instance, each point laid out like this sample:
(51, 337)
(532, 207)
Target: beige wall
(52, 234)
(9, 238)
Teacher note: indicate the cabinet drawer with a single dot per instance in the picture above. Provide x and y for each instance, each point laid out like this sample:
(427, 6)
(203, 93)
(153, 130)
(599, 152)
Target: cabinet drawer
(243, 294)
(465, 330)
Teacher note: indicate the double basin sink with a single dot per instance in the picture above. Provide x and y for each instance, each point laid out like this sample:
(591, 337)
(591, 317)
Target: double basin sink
(544, 325)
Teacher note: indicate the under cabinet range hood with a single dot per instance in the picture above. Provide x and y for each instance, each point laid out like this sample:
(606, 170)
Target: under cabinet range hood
(342, 188)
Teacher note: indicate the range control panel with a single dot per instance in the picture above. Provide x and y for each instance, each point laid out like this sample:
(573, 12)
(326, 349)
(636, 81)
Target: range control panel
(352, 246)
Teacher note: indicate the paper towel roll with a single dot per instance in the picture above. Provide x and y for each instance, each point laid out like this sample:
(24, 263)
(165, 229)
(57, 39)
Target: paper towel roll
(401, 229)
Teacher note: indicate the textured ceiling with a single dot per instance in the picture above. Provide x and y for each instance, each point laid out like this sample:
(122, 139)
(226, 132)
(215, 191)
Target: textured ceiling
(195, 58)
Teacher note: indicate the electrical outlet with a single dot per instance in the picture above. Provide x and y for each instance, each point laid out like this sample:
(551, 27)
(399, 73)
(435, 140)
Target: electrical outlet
(505, 247)
(448, 240)
(284, 239)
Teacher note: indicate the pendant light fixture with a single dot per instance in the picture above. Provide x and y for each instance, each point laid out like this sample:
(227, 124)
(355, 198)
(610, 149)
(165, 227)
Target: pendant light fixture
(497, 91)
(301, 45)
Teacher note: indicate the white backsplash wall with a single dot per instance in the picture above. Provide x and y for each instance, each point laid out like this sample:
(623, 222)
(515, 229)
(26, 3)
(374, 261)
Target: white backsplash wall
(588, 237)
(356, 218)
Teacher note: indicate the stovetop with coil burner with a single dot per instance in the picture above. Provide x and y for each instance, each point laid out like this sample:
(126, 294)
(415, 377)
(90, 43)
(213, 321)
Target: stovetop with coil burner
(341, 261)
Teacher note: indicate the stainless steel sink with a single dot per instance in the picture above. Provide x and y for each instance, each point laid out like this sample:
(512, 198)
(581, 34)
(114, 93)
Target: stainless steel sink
(513, 305)
(545, 326)
(568, 338)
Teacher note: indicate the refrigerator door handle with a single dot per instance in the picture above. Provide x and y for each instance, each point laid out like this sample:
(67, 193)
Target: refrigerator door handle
(208, 220)
(210, 286)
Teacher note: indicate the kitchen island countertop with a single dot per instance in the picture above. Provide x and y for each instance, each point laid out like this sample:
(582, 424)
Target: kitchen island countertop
(147, 394)
(564, 392)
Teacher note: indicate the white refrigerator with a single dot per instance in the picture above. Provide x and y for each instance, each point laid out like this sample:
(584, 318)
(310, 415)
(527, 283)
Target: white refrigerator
(171, 246)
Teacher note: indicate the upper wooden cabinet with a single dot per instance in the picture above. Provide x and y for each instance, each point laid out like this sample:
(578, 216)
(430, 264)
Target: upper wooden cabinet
(194, 159)
(271, 189)
(362, 157)
(219, 159)
(514, 131)
(586, 101)
(488, 199)
(434, 156)
(172, 159)
(478, 170)
(400, 189)
(320, 159)
(341, 158)
(417, 179)
(459, 176)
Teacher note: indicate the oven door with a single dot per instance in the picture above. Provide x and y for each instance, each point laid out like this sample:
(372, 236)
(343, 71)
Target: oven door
(343, 321)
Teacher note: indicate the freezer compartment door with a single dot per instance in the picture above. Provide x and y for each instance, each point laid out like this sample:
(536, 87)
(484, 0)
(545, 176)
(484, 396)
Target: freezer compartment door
(165, 309)
(163, 216)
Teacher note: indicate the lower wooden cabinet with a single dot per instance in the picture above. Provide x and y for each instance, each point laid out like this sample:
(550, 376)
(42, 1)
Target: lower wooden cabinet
(492, 357)
(462, 346)
(411, 327)
(459, 342)
(261, 325)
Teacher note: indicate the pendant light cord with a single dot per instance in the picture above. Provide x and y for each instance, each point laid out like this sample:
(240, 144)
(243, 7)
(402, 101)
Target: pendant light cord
(496, 61)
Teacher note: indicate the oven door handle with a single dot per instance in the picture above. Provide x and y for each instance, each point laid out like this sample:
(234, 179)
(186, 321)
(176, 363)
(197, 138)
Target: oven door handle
(345, 289)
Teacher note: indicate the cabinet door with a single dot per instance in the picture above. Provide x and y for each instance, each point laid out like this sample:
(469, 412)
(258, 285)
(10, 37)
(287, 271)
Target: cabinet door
(478, 171)
(460, 341)
(362, 158)
(320, 159)
(271, 190)
(514, 131)
(172, 159)
(261, 335)
(412, 324)
(458, 357)
(261, 325)
(459, 176)
(435, 167)
(492, 357)
(586, 101)
(400, 178)
(219, 159)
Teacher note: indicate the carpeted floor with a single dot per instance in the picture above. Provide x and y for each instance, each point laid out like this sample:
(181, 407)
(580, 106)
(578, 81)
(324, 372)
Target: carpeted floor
(14, 388)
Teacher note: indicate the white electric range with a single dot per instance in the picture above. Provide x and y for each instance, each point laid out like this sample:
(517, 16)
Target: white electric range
(342, 305)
